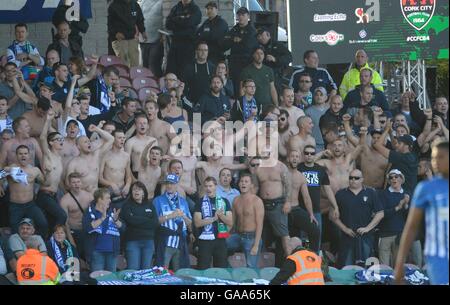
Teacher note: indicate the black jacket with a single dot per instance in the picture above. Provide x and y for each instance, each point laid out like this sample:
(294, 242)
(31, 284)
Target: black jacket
(213, 32)
(123, 17)
(197, 79)
(212, 107)
(76, 27)
(97, 118)
(418, 116)
(183, 21)
(238, 108)
(330, 117)
(282, 55)
(75, 48)
(141, 220)
(353, 99)
(241, 50)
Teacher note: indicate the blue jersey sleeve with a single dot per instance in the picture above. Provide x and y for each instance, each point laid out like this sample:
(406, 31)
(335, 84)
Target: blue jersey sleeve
(420, 198)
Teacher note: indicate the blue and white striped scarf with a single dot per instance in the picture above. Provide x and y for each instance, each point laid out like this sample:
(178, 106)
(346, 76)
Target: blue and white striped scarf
(112, 228)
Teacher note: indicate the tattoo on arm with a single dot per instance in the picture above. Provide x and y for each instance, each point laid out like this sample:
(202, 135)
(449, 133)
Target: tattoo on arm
(286, 181)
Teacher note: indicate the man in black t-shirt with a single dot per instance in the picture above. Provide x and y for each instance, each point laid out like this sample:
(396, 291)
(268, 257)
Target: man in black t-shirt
(317, 177)
(213, 218)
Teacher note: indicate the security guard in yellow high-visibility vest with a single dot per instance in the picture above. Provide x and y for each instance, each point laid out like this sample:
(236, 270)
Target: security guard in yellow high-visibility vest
(351, 78)
(302, 267)
(34, 268)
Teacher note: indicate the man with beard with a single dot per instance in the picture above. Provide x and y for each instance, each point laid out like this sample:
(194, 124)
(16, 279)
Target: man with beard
(88, 162)
(214, 104)
(135, 146)
(299, 219)
(333, 116)
(115, 171)
(284, 133)
(287, 103)
(304, 136)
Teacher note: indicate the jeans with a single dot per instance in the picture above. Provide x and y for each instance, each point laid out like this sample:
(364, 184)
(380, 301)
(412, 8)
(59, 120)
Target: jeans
(172, 254)
(319, 220)
(103, 261)
(355, 250)
(17, 211)
(212, 249)
(139, 254)
(49, 204)
(299, 222)
(245, 242)
(79, 237)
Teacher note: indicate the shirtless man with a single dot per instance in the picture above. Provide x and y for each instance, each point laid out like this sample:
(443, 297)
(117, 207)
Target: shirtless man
(52, 167)
(115, 170)
(275, 190)
(304, 136)
(70, 149)
(162, 131)
(150, 172)
(214, 165)
(22, 195)
(88, 162)
(75, 202)
(299, 219)
(21, 129)
(284, 133)
(37, 116)
(373, 164)
(288, 100)
(135, 146)
(248, 212)
(338, 167)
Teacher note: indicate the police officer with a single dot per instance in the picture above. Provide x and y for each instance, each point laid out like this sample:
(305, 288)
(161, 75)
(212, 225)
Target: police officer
(212, 31)
(278, 57)
(241, 39)
(302, 267)
(183, 20)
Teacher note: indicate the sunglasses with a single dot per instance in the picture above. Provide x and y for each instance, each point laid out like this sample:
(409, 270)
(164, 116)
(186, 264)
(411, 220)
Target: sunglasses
(309, 153)
(282, 119)
(254, 164)
(58, 139)
(382, 122)
(394, 176)
(354, 178)
(305, 81)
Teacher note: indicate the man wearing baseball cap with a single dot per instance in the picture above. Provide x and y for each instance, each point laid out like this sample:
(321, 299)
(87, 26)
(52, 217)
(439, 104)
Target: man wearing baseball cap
(175, 222)
(395, 201)
(402, 158)
(26, 231)
(212, 32)
(241, 39)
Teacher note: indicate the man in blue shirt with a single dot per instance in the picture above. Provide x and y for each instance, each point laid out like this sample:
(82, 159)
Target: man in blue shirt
(360, 212)
(175, 221)
(430, 199)
(224, 189)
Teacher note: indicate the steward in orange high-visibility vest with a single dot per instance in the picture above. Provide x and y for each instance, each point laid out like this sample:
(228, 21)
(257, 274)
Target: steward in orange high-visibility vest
(33, 268)
(302, 267)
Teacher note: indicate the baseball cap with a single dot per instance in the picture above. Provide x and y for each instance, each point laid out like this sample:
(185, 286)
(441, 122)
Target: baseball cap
(211, 4)
(321, 89)
(396, 172)
(242, 10)
(172, 178)
(406, 139)
(27, 221)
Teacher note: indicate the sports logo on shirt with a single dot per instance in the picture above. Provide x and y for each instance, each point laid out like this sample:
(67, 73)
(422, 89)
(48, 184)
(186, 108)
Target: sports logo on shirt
(418, 12)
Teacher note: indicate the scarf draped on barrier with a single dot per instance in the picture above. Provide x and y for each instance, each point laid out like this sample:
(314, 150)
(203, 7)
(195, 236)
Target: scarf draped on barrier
(104, 97)
(112, 228)
(207, 212)
(58, 255)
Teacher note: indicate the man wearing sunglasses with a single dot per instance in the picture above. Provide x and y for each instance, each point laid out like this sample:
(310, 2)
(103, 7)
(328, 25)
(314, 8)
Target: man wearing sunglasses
(360, 212)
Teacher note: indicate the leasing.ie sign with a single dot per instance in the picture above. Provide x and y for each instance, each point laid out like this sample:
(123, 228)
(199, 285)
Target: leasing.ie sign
(14, 11)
